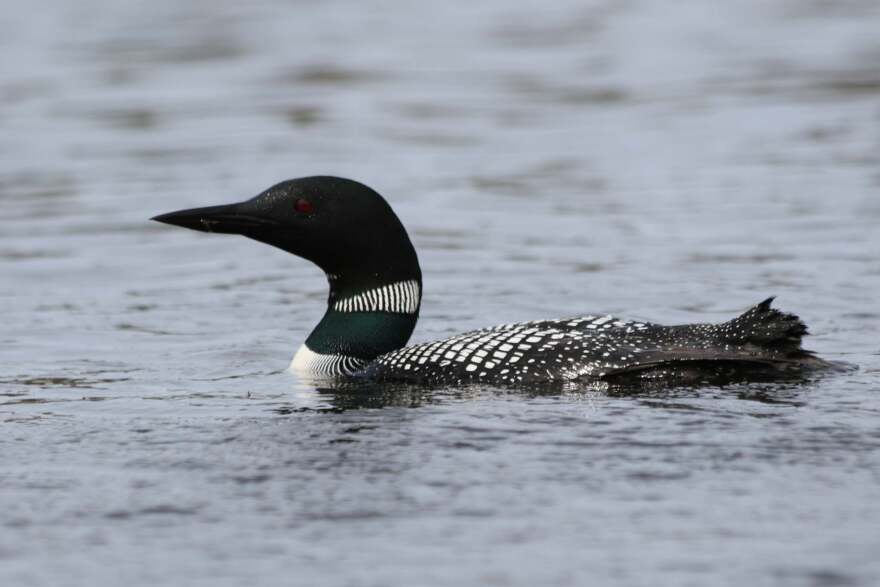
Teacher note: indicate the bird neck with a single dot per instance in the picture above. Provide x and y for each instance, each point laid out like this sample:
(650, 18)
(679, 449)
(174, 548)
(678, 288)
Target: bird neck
(365, 318)
(374, 300)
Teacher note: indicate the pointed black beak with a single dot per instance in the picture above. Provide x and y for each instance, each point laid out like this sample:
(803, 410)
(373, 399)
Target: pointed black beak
(228, 219)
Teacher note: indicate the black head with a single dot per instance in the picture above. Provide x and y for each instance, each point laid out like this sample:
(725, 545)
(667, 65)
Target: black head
(344, 227)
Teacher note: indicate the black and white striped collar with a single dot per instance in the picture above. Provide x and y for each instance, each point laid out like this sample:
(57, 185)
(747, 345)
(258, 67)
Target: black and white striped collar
(401, 297)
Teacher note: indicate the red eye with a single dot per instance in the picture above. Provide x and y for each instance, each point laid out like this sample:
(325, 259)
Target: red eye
(303, 206)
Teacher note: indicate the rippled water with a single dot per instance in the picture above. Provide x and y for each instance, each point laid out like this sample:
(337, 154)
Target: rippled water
(675, 162)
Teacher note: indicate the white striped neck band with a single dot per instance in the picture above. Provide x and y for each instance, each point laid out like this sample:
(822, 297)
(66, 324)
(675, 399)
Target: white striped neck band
(401, 297)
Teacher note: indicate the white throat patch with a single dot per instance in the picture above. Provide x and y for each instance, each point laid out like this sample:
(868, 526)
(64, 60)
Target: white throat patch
(401, 297)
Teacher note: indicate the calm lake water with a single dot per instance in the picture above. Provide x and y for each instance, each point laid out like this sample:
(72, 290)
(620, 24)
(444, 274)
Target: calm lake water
(674, 162)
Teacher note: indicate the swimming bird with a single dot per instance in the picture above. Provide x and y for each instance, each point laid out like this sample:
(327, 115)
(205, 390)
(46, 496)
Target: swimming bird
(353, 235)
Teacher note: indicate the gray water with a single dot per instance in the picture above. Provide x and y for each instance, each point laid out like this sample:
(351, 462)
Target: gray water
(666, 161)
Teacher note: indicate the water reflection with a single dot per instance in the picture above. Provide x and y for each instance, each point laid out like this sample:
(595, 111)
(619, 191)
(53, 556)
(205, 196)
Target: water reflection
(341, 395)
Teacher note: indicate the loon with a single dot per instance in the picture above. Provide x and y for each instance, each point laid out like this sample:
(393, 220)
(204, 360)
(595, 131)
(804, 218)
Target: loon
(352, 234)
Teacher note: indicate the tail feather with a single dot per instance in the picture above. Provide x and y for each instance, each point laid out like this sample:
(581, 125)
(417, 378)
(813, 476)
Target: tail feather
(765, 327)
(761, 342)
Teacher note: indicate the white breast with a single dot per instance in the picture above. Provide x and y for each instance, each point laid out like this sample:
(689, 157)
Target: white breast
(308, 362)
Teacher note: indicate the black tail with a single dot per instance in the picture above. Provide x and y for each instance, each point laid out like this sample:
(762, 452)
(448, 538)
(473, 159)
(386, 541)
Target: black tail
(760, 345)
(766, 328)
